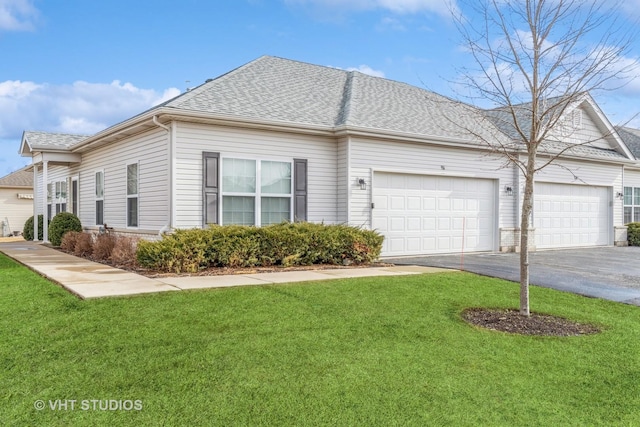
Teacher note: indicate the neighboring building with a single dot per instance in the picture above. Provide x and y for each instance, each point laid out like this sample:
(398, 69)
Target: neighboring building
(16, 201)
(278, 140)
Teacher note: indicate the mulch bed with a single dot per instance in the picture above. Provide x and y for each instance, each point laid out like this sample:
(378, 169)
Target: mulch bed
(217, 271)
(536, 324)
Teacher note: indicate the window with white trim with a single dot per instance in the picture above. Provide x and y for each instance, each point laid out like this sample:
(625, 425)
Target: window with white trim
(100, 198)
(631, 204)
(256, 192)
(49, 200)
(61, 196)
(132, 195)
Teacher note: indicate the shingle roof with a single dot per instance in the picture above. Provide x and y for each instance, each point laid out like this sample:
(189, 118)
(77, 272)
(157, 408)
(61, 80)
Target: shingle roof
(50, 140)
(19, 178)
(382, 104)
(502, 118)
(272, 88)
(631, 138)
(284, 91)
(578, 150)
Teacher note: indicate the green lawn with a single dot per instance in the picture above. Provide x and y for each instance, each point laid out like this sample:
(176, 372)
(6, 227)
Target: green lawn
(373, 351)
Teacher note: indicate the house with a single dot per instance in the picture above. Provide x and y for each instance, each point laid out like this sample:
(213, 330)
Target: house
(631, 178)
(277, 139)
(16, 201)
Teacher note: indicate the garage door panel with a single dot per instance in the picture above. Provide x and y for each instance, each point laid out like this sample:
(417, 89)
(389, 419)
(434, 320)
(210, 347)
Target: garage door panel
(436, 217)
(413, 224)
(444, 224)
(568, 215)
(397, 224)
(397, 203)
(413, 203)
(429, 244)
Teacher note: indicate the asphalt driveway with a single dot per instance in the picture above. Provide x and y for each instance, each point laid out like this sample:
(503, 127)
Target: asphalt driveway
(611, 273)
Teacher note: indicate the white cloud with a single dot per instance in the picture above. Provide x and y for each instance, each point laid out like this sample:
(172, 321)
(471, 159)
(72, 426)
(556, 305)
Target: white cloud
(365, 69)
(441, 7)
(393, 24)
(17, 15)
(81, 107)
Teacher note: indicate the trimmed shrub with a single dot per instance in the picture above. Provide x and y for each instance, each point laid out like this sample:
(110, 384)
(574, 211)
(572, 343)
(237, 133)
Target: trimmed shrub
(27, 230)
(84, 245)
(124, 251)
(633, 233)
(182, 251)
(69, 241)
(282, 244)
(233, 246)
(62, 223)
(103, 246)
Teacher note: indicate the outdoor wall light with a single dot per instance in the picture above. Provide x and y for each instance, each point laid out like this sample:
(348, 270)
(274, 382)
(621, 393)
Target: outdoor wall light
(508, 190)
(619, 195)
(362, 184)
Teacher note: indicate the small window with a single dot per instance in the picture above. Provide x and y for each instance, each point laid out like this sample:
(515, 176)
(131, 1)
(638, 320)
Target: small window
(631, 204)
(60, 196)
(50, 189)
(132, 195)
(100, 198)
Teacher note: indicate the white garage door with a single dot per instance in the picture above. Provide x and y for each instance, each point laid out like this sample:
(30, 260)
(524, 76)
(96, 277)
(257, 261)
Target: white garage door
(571, 215)
(419, 214)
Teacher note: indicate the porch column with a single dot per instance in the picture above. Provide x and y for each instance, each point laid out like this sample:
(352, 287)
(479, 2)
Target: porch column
(35, 203)
(45, 225)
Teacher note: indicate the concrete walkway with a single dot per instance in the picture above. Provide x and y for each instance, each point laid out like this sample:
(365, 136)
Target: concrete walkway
(88, 279)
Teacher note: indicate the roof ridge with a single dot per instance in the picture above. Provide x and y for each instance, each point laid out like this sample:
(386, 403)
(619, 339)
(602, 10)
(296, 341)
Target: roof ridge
(54, 133)
(344, 111)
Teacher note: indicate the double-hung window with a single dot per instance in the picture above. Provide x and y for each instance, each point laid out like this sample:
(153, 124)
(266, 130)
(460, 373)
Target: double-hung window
(50, 188)
(61, 196)
(256, 192)
(100, 198)
(132, 195)
(631, 204)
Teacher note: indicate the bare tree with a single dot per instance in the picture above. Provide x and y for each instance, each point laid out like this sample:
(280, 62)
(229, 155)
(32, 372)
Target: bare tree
(534, 60)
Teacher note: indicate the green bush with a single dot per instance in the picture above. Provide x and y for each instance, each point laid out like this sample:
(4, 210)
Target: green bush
(284, 244)
(27, 231)
(633, 233)
(60, 224)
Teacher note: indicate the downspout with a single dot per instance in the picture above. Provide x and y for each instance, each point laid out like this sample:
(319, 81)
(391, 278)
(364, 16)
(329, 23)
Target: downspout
(169, 226)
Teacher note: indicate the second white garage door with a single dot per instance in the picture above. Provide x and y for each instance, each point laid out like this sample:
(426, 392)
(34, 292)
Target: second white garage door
(568, 215)
(421, 214)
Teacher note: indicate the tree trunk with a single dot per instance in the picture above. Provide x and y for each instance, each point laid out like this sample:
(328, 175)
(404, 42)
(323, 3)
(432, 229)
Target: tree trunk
(527, 207)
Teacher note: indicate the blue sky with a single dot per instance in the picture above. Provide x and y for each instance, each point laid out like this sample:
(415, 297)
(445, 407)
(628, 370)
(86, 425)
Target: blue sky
(79, 66)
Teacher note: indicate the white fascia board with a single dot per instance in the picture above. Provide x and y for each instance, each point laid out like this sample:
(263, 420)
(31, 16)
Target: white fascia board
(56, 157)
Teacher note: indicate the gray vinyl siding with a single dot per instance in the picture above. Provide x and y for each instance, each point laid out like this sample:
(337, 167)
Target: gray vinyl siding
(151, 151)
(343, 181)
(631, 177)
(589, 133)
(367, 156)
(193, 139)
